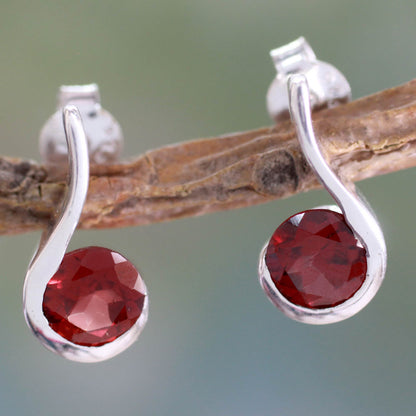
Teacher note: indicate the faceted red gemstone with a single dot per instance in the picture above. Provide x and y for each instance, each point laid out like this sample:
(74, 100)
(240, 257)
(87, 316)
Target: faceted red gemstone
(314, 259)
(95, 296)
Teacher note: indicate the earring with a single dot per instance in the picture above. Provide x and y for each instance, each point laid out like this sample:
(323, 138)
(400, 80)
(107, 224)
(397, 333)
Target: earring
(322, 265)
(89, 304)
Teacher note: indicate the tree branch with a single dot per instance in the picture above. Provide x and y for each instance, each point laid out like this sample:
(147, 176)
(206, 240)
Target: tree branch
(368, 137)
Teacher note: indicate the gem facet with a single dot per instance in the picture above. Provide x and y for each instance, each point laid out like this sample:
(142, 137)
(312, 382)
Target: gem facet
(95, 296)
(314, 259)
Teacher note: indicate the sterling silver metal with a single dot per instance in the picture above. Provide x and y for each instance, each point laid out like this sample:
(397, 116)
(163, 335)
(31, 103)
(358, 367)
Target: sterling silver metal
(51, 251)
(360, 219)
(328, 86)
(104, 135)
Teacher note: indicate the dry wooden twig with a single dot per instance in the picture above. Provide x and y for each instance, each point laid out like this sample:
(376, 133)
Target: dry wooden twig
(365, 138)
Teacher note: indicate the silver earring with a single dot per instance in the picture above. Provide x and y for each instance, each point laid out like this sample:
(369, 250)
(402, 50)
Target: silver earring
(90, 304)
(322, 265)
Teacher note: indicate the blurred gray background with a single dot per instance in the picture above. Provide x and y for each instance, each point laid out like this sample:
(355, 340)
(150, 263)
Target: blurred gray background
(174, 70)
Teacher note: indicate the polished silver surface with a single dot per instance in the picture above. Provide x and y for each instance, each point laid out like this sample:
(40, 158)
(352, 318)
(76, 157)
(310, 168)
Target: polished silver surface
(358, 216)
(103, 132)
(328, 86)
(52, 249)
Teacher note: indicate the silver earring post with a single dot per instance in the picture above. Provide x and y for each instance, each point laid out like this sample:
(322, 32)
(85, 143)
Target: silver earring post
(51, 251)
(359, 218)
(103, 132)
(328, 86)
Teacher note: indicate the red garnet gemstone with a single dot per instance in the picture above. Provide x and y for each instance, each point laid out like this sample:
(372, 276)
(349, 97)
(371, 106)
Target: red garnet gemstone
(95, 296)
(314, 259)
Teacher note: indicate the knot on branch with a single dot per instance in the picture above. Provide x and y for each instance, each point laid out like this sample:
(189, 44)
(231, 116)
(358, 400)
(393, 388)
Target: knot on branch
(279, 172)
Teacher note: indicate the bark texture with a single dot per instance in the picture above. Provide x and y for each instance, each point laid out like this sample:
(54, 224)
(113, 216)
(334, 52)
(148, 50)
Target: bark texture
(367, 137)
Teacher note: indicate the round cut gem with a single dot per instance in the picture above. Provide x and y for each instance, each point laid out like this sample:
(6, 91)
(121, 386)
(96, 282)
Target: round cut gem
(314, 259)
(95, 296)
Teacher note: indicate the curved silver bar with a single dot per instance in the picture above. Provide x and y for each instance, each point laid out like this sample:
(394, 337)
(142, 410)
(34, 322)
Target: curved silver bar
(357, 215)
(51, 251)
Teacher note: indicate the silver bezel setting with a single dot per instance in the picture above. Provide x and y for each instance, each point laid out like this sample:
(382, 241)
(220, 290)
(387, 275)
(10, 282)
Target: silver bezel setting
(51, 251)
(357, 215)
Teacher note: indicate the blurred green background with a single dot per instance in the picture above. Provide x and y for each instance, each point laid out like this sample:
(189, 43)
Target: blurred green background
(173, 70)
